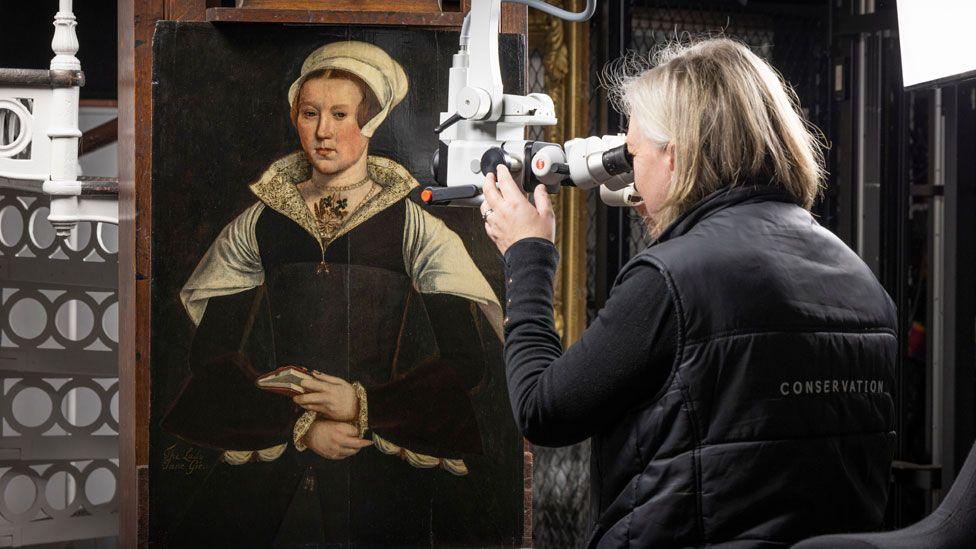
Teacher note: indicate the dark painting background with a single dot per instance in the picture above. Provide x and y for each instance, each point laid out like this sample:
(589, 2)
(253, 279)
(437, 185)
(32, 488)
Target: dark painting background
(220, 117)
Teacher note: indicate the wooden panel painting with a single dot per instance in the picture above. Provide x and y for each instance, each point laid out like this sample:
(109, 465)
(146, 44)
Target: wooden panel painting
(289, 250)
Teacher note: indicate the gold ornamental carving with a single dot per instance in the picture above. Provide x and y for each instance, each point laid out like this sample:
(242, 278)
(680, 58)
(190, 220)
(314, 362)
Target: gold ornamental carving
(565, 60)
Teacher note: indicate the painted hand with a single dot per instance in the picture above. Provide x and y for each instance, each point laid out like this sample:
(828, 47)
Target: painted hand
(332, 397)
(334, 439)
(510, 216)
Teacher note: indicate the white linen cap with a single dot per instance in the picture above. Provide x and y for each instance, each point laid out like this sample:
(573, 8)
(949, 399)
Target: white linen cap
(374, 66)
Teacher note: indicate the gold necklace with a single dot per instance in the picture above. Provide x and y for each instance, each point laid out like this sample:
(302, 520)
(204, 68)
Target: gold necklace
(330, 212)
(366, 198)
(351, 187)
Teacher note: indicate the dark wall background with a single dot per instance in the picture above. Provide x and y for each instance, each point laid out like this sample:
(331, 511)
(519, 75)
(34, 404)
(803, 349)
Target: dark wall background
(220, 118)
(26, 30)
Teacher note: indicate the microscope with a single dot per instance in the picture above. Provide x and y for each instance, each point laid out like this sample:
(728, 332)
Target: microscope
(484, 127)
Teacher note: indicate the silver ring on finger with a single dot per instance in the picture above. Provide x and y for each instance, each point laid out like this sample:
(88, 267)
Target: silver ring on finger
(484, 216)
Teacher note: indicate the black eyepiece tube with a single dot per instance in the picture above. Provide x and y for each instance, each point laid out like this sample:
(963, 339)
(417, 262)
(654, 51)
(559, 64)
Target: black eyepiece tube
(617, 160)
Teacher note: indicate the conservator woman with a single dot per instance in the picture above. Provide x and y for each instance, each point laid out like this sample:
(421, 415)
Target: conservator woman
(336, 270)
(692, 381)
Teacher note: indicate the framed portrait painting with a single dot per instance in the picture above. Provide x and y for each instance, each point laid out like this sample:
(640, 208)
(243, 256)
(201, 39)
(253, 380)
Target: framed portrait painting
(326, 351)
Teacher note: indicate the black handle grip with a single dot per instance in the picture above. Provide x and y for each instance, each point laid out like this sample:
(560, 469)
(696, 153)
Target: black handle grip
(445, 195)
(454, 119)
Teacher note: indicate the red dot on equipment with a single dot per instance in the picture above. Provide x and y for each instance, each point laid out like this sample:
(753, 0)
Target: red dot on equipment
(540, 163)
(426, 195)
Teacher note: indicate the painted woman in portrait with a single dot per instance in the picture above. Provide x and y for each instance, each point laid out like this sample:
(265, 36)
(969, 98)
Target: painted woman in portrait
(335, 269)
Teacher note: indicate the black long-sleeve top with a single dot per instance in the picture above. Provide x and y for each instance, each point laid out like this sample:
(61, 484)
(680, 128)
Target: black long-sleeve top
(623, 357)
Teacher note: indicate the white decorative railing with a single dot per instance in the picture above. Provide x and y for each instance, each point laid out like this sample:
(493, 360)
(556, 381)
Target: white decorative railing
(39, 134)
(58, 311)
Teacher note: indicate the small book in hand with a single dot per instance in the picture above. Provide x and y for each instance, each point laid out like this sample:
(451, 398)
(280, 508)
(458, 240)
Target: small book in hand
(286, 380)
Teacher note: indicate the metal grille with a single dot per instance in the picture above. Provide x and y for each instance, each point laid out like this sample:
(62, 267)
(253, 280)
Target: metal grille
(536, 83)
(58, 377)
(791, 36)
(560, 476)
(596, 126)
(560, 491)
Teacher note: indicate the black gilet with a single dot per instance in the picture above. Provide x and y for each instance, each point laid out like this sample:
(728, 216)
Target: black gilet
(777, 420)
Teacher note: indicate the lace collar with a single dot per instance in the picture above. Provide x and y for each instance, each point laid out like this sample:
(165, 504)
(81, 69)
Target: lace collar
(277, 189)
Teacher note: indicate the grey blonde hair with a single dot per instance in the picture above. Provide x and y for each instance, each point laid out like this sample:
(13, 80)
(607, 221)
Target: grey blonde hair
(731, 118)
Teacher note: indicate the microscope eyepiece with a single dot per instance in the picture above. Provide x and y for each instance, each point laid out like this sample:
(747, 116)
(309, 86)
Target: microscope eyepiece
(617, 160)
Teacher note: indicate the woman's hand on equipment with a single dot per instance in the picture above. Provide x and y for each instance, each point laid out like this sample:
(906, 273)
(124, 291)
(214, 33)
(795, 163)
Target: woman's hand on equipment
(334, 439)
(333, 397)
(510, 217)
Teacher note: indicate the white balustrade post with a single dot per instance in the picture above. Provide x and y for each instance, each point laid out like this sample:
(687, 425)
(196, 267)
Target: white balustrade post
(63, 186)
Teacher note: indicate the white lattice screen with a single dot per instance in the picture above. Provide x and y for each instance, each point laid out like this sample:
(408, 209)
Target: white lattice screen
(58, 375)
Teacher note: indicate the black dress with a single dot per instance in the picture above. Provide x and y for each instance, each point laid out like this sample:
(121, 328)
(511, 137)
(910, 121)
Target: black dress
(431, 366)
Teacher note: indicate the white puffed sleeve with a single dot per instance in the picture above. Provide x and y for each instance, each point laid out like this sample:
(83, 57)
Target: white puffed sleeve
(231, 265)
(438, 263)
